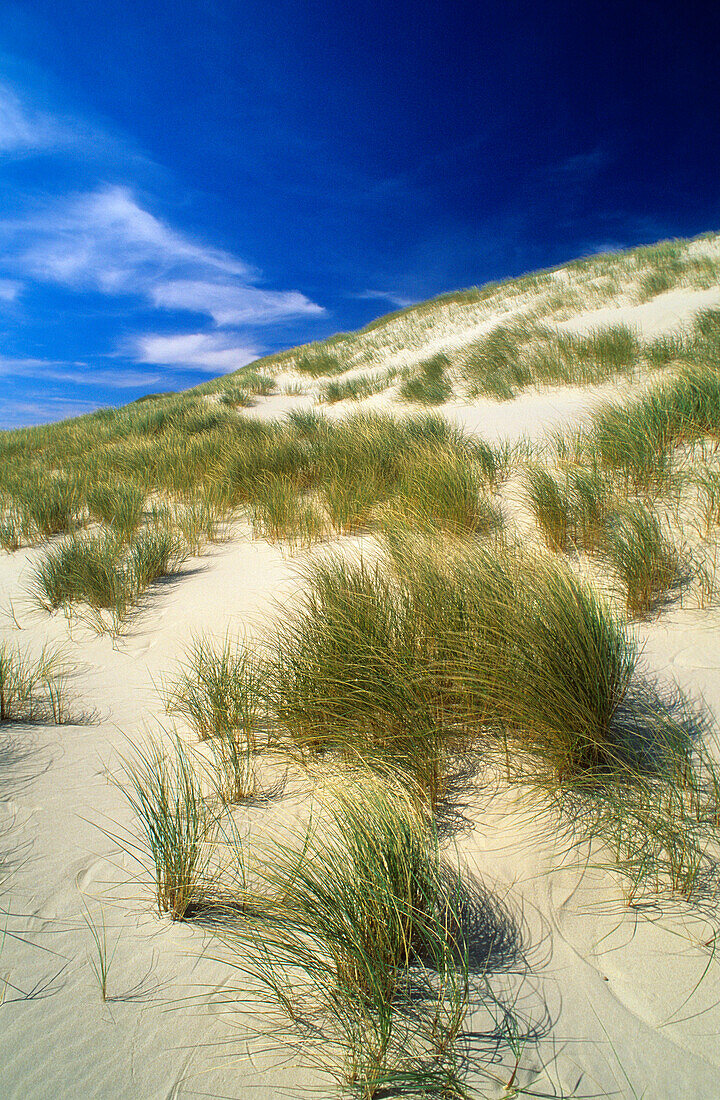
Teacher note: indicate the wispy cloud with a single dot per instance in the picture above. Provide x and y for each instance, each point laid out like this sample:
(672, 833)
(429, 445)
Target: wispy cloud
(582, 166)
(41, 410)
(26, 128)
(398, 300)
(213, 352)
(9, 289)
(77, 374)
(232, 303)
(21, 128)
(104, 240)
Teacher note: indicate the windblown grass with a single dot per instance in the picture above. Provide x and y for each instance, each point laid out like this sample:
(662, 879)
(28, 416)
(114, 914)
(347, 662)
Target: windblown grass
(218, 690)
(118, 506)
(33, 690)
(551, 507)
(636, 439)
(215, 689)
(175, 826)
(35, 505)
(316, 361)
(357, 387)
(103, 573)
(363, 918)
(444, 653)
(512, 357)
(429, 385)
(444, 492)
(644, 559)
(237, 397)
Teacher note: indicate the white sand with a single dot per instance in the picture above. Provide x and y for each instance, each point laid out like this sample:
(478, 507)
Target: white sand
(615, 994)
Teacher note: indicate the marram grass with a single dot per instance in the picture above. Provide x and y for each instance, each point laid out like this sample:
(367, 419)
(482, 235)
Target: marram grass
(174, 824)
(359, 941)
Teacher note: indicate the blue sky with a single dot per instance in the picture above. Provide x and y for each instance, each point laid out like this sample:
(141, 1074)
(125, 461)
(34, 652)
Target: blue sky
(186, 186)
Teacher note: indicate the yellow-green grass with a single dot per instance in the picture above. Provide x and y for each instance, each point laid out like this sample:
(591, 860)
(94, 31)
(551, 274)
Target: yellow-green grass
(102, 573)
(361, 933)
(175, 826)
(33, 689)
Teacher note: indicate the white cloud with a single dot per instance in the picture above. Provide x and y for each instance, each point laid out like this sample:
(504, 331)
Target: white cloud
(232, 303)
(21, 128)
(26, 129)
(9, 289)
(20, 414)
(10, 365)
(79, 374)
(211, 352)
(104, 240)
(398, 300)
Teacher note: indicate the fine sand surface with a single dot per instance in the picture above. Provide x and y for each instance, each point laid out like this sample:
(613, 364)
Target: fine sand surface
(623, 1001)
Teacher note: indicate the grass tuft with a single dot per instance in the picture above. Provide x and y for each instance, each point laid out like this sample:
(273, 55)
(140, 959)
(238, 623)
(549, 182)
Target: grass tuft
(430, 384)
(174, 822)
(646, 562)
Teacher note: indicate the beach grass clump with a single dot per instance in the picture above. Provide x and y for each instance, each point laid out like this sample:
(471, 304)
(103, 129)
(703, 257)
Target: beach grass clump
(494, 461)
(276, 510)
(119, 506)
(201, 519)
(362, 913)
(441, 652)
(429, 384)
(357, 386)
(571, 674)
(257, 383)
(215, 689)
(656, 818)
(551, 506)
(317, 361)
(349, 674)
(33, 689)
(634, 442)
(594, 502)
(645, 560)
(442, 491)
(600, 354)
(218, 690)
(83, 570)
(104, 573)
(349, 499)
(494, 365)
(14, 528)
(667, 348)
(530, 657)
(574, 509)
(54, 505)
(156, 551)
(35, 505)
(174, 824)
(237, 396)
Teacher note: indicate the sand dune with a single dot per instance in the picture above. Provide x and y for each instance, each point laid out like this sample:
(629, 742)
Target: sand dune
(616, 1000)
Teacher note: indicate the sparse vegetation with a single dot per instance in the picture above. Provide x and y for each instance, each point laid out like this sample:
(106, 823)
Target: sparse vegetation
(33, 689)
(444, 649)
(429, 385)
(175, 825)
(98, 574)
(364, 913)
